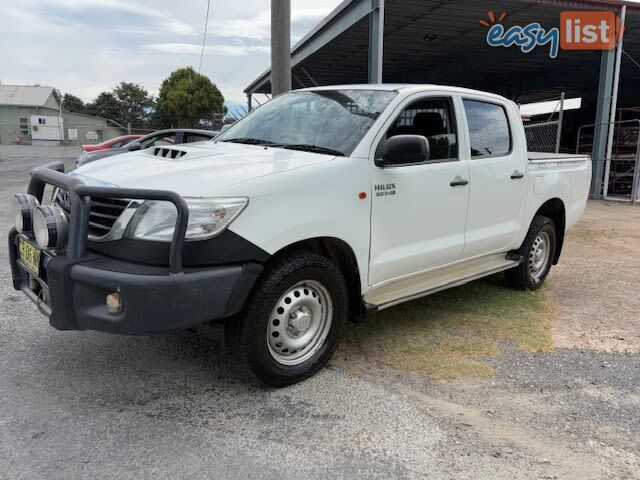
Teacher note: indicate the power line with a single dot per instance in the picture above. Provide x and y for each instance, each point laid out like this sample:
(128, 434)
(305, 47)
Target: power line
(204, 34)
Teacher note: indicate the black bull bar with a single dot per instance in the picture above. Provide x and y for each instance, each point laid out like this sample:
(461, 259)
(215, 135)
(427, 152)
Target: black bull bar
(80, 195)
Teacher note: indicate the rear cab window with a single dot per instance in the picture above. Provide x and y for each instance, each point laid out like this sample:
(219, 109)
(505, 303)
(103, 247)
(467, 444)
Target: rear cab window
(489, 130)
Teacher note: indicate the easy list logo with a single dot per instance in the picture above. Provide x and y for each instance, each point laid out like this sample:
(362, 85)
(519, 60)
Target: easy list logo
(578, 31)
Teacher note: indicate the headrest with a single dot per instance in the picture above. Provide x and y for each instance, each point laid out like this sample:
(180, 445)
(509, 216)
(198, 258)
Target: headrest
(429, 123)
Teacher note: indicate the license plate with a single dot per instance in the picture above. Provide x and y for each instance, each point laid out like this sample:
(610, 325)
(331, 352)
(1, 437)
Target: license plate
(30, 256)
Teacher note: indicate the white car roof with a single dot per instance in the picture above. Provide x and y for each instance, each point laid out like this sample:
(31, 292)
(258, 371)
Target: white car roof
(402, 87)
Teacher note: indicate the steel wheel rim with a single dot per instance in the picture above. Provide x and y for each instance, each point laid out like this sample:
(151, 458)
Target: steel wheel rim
(539, 255)
(299, 323)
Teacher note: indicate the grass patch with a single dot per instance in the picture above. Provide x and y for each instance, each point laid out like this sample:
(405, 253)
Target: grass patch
(446, 335)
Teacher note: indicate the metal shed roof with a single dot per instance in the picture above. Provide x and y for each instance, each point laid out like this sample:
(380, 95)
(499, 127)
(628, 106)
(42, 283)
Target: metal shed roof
(24, 96)
(436, 41)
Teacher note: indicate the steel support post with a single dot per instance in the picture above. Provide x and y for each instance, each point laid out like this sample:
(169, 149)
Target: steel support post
(376, 41)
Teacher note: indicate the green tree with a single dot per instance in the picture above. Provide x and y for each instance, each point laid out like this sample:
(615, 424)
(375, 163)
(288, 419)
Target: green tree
(105, 105)
(71, 103)
(185, 98)
(134, 103)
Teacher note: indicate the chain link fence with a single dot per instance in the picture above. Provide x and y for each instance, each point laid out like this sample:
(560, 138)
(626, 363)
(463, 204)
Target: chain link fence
(544, 135)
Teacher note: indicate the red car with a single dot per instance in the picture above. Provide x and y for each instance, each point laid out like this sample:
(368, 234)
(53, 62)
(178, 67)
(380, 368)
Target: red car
(117, 142)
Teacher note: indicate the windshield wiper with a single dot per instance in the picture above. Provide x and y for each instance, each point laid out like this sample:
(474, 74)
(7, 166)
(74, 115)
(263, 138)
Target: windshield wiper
(294, 146)
(249, 141)
(313, 148)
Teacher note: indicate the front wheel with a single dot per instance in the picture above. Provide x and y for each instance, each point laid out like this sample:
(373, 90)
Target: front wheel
(293, 321)
(538, 250)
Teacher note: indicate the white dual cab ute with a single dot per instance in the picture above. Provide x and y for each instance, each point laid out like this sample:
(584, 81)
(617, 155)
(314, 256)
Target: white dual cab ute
(320, 205)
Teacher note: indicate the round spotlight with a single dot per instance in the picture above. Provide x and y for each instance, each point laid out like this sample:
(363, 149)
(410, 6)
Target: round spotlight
(22, 209)
(50, 226)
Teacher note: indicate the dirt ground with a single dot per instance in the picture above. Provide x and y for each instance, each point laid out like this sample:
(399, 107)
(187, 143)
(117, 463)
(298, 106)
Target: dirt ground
(596, 286)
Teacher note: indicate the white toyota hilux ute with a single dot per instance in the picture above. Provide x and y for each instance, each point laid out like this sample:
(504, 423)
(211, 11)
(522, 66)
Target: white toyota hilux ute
(319, 206)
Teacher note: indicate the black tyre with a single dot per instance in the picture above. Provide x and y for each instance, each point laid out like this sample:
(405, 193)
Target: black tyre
(538, 250)
(293, 320)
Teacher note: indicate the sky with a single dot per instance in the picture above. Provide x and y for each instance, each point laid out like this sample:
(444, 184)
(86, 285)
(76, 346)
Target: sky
(84, 47)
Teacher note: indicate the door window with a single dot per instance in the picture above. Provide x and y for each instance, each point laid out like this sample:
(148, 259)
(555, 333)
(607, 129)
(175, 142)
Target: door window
(489, 131)
(162, 140)
(434, 120)
(24, 127)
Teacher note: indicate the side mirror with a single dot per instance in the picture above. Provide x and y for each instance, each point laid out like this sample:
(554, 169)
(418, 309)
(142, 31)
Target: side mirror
(404, 150)
(135, 147)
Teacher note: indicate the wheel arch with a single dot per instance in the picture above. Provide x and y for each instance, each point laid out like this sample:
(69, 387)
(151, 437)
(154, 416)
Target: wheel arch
(343, 256)
(554, 209)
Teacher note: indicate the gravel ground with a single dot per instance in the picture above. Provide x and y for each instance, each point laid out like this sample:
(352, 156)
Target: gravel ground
(90, 405)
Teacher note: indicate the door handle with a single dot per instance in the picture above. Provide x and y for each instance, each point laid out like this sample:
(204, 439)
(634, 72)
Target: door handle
(459, 181)
(516, 175)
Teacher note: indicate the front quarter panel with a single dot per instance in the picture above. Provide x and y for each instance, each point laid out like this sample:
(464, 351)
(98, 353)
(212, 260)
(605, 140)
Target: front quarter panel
(321, 200)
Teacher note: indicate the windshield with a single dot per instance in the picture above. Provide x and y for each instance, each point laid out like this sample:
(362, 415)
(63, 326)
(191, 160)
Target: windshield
(322, 121)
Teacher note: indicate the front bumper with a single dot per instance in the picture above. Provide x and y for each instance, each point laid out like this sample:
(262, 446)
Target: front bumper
(71, 289)
(72, 293)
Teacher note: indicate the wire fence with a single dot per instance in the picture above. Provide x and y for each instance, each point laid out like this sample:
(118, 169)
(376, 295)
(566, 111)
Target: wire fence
(543, 136)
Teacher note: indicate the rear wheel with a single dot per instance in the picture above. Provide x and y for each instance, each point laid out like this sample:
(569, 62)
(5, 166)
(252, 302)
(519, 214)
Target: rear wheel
(293, 321)
(538, 250)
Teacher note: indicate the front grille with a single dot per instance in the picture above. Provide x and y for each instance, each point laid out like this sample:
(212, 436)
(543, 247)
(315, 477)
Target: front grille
(103, 214)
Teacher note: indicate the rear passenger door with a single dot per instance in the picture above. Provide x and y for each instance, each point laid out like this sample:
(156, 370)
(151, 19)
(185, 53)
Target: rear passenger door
(497, 166)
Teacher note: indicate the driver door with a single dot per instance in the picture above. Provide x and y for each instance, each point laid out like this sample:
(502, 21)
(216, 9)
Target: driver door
(418, 217)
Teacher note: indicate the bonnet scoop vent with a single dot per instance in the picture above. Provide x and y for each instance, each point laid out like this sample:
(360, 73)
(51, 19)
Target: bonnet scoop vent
(168, 152)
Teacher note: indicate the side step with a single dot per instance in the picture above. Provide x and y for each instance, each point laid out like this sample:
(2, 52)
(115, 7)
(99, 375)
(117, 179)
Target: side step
(425, 283)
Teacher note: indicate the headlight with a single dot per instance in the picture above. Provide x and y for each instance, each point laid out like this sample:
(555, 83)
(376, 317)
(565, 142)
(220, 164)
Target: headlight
(208, 217)
(50, 227)
(22, 209)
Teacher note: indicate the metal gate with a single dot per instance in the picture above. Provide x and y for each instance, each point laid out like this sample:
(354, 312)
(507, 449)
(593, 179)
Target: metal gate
(545, 136)
(621, 172)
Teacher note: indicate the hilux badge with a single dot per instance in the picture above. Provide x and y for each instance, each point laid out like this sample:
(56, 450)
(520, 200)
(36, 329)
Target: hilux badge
(385, 190)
